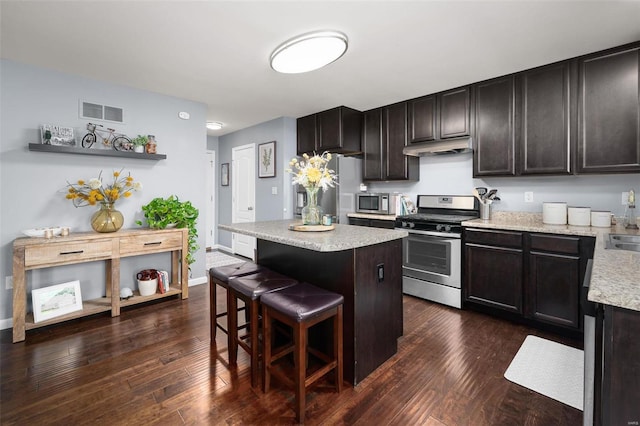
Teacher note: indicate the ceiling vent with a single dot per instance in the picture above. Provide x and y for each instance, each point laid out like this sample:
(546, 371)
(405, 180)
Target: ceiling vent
(94, 111)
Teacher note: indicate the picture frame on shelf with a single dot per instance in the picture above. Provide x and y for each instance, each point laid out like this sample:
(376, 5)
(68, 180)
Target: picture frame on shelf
(224, 174)
(267, 160)
(56, 300)
(57, 135)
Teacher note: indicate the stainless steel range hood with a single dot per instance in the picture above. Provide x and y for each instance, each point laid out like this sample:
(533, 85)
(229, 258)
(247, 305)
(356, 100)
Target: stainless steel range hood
(452, 146)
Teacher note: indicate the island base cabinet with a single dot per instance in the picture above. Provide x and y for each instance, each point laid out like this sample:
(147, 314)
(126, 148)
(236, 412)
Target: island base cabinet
(369, 278)
(621, 372)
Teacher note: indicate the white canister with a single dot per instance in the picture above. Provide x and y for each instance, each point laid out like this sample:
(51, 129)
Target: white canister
(579, 216)
(554, 213)
(147, 287)
(601, 219)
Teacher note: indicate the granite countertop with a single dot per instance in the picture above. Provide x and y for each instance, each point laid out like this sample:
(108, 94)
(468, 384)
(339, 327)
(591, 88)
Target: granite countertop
(373, 216)
(615, 279)
(343, 237)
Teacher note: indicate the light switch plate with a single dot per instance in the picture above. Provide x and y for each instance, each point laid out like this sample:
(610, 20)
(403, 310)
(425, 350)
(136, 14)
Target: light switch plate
(274, 190)
(8, 282)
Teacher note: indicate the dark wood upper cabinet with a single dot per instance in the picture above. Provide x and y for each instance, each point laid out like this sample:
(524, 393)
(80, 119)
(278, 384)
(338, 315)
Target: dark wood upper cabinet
(441, 116)
(336, 130)
(422, 119)
(455, 113)
(546, 119)
(372, 144)
(494, 147)
(395, 131)
(384, 136)
(306, 133)
(609, 112)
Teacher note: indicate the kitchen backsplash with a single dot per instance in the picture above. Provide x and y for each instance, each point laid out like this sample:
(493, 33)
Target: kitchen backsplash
(452, 175)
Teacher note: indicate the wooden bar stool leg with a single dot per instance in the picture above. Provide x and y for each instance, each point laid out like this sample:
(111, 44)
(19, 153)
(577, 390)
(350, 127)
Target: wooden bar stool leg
(253, 332)
(337, 347)
(213, 311)
(300, 362)
(266, 349)
(232, 327)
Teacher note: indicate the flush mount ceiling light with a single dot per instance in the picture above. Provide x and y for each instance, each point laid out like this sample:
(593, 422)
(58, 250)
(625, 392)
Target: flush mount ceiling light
(214, 125)
(308, 52)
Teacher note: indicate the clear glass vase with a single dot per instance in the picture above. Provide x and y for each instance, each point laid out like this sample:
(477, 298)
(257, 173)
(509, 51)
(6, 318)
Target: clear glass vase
(107, 219)
(312, 212)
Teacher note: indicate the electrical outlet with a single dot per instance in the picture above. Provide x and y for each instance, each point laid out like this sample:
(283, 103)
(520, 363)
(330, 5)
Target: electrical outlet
(625, 198)
(8, 282)
(528, 197)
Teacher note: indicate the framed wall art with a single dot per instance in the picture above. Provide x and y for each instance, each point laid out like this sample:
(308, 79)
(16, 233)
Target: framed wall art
(57, 135)
(56, 300)
(267, 159)
(224, 174)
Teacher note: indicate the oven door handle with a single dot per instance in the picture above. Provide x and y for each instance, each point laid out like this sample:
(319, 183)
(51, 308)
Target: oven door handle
(437, 235)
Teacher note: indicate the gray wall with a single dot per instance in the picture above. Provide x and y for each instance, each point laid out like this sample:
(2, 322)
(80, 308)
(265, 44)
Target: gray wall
(268, 206)
(33, 183)
(452, 175)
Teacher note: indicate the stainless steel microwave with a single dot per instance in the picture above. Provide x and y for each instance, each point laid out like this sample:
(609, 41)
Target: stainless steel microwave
(383, 203)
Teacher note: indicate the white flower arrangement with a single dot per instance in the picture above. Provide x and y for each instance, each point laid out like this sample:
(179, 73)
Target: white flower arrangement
(312, 172)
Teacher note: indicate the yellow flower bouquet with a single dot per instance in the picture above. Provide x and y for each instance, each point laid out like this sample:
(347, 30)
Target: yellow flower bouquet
(94, 191)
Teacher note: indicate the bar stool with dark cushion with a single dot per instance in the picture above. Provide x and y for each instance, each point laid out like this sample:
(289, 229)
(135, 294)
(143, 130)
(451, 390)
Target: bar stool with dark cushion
(249, 289)
(220, 276)
(301, 307)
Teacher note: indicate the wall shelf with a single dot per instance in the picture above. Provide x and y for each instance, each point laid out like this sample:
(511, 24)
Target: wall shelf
(100, 152)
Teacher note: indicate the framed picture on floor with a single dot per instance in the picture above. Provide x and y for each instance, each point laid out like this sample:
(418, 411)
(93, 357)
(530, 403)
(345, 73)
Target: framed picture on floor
(267, 159)
(56, 300)
(224, 174)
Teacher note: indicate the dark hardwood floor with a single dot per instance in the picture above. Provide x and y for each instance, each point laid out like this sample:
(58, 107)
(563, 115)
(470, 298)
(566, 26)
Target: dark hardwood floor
(155, 365)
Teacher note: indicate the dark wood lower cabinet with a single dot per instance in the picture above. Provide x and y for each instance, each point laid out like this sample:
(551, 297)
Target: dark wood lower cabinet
(372, 305)
(495, 277)
(554, 289)
(621, 372)
(535, 277)
(374, 223)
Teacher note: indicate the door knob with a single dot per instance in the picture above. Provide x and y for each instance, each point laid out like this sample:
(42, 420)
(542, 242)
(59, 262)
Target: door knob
(250, 208)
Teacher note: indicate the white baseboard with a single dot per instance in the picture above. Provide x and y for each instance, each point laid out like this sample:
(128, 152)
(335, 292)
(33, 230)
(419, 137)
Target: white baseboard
(198, 281)
(224, 248)
(8, 323)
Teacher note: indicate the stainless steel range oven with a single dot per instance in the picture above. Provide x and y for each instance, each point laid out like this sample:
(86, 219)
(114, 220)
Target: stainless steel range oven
(432, 253)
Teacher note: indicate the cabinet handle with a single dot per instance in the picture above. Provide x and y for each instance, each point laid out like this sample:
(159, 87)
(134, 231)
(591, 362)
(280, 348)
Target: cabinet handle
(153, 244)
(72, 252)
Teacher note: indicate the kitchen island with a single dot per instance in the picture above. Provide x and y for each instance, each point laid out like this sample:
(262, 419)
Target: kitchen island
(363, 264)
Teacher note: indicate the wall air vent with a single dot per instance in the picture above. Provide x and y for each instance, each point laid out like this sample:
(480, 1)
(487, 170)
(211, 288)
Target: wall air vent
(94, 111)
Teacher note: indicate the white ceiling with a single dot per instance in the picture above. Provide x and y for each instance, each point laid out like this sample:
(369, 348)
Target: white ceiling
(217, 52)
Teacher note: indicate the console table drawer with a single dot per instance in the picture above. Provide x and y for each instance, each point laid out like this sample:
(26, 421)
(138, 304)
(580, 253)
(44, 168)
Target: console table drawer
(50, 254)
(150, 243)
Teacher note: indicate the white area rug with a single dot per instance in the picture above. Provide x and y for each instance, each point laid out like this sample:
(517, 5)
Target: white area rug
(216, 258)
(549, 368)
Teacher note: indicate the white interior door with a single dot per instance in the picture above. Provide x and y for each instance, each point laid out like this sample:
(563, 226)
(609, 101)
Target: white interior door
(243, 188)
(211, 205)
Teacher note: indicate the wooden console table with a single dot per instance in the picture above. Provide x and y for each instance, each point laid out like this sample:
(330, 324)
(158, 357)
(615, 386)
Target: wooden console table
(36, 253)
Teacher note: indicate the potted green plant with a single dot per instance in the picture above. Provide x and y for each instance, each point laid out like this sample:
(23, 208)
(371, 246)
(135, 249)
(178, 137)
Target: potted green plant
(139, 142)
(170, 212)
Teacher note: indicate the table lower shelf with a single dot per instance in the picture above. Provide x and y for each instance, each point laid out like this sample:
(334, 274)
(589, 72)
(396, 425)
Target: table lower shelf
(96, 306)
